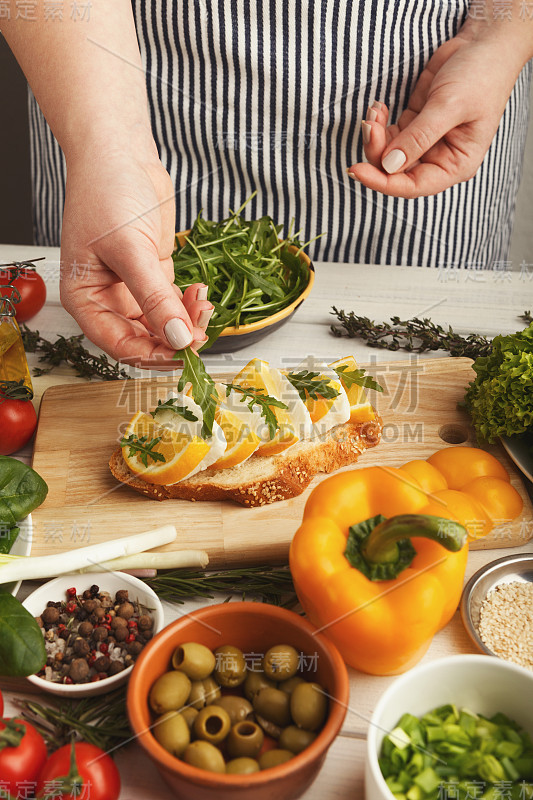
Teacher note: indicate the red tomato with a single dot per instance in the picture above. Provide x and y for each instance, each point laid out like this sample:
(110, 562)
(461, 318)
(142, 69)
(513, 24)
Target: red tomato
(20, 763)
(92, 776)
(1, 705)
(17, 424)
(32, 290)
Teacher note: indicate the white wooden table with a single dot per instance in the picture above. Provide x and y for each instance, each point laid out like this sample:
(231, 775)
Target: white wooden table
(485, 302)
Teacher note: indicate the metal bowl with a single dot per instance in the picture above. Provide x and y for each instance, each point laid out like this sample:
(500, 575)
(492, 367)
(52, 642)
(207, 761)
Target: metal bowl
(510, 569)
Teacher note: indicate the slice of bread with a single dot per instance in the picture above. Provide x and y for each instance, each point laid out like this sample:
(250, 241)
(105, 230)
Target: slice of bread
(264, 479)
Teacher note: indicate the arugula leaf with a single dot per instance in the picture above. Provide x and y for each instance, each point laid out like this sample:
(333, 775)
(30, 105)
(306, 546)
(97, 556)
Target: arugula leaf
(264, 401)
(357, 376)
(203, 387)
(22, 650)
(310, 384)
(172, 405)
(144, 447)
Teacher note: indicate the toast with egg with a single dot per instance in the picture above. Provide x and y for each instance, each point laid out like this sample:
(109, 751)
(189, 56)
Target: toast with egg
(320, 435)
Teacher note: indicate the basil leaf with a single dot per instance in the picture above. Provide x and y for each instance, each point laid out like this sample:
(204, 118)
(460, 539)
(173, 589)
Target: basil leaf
(7, 537)
(22, 650)
(21, 490)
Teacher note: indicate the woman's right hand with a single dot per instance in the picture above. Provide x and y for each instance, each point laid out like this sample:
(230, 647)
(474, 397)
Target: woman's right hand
(116, 266)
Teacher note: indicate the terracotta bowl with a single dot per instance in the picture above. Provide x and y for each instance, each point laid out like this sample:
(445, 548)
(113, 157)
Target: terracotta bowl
(253, 627)
(232, 338)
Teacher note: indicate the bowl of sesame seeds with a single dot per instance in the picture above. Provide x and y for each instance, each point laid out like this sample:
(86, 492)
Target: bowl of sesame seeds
(497, 609)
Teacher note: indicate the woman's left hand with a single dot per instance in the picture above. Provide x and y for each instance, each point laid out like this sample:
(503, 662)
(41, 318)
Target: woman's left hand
(451, 118)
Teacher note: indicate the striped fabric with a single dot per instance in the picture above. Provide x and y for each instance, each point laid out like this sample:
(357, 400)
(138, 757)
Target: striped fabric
(268, 95)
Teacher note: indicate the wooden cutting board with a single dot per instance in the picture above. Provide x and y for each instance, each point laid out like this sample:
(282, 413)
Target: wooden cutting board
(80, 425)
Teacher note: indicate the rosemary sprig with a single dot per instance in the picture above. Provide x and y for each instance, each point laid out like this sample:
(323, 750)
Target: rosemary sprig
(172, 405)
(271, 584)
(310, 384)
(145, 448)
(69, 350)
(100, 720)
(413, 335)
(265, 402)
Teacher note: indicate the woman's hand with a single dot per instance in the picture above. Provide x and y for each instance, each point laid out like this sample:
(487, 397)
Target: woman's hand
(116, 266)
(451, 118)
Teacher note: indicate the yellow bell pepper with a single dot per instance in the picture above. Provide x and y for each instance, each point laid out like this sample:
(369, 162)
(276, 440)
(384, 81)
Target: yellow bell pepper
(385, 626)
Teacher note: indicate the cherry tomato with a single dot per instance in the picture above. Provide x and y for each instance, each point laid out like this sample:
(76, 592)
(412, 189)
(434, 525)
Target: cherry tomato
(32, 290)
(1, 704)
(22, 756)
(79, 770)
(18, 421)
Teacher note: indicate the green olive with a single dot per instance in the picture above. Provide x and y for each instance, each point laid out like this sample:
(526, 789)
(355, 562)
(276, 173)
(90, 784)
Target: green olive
(212, 724)
(254, 682)
(281, 662)
(269, 728)
(172, 732)
(245, 739)
(274, 706)
(204, 755)
(238, 708)
(189, 714)
(230, 666)
(309, 706)
(203, 693)
(295, 739)
(291, 684)
(170, 692)
(272, 758)
(242, 766)
(195, 660)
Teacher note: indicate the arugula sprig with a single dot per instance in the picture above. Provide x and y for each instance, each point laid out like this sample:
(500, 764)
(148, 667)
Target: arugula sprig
(357, 376)
(203, 387)
(310, 384)
(172, 405)
(256, 397)
(143, 446)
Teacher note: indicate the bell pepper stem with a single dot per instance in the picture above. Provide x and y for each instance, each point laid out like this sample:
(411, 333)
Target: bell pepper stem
(381, 546)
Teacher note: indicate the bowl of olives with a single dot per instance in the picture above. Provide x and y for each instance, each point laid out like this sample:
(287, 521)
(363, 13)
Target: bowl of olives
(238, 700)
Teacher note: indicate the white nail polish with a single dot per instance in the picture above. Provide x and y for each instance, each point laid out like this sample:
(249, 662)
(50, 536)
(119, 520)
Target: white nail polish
(372, 115)
(366, 131)
(393, 161)
(202, 293)
(204, 317)
(177, 333)
(377, 105)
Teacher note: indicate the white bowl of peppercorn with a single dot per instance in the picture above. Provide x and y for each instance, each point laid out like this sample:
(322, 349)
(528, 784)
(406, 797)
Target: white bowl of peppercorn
(95, 626)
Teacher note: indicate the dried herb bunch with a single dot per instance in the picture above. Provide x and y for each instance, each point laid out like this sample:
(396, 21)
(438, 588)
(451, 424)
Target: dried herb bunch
(70, 350)
(413, 335)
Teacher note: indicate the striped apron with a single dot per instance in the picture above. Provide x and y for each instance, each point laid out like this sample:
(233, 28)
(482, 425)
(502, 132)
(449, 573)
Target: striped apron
(268, 96)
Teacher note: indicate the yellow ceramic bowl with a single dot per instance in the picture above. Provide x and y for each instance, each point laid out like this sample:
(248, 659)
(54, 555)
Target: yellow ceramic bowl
(233, 338)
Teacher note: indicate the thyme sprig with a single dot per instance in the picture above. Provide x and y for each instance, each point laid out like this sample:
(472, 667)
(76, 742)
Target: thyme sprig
(265, 402)
(143, 446)
(271, 584)
(100, 720)
(414, 335)
(70, 350)
(172, 405)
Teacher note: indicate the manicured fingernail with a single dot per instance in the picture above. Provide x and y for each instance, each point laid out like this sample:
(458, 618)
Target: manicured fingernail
(178, 334)
(202, 293)
(352, 175)
(204, 317)
(376, 105)
(393, 161)
(367, 132)
(372, 115)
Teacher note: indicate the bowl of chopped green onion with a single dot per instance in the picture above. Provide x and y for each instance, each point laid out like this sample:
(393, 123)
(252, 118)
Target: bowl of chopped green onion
(457, 727)
(256, 281)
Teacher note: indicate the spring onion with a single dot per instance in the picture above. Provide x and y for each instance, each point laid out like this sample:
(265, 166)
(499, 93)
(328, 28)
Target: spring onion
(451, 753)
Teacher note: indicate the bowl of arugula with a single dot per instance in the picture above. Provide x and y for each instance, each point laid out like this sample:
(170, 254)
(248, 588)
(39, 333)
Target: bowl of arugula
(256, 281)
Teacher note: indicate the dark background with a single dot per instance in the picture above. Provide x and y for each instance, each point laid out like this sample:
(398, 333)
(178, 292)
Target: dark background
(15, 194)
